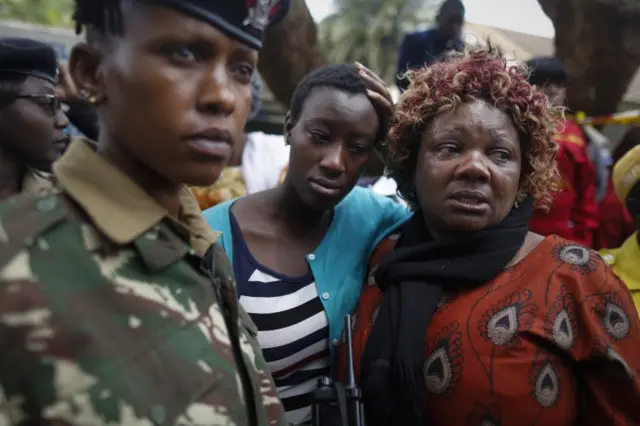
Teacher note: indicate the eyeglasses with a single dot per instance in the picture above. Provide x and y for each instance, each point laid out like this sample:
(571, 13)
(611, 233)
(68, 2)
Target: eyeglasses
(49, 103)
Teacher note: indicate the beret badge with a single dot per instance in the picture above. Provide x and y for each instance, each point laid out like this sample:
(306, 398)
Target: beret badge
(261, 13)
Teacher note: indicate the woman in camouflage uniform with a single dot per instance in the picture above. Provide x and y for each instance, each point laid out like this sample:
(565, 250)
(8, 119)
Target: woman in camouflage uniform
(108, 314)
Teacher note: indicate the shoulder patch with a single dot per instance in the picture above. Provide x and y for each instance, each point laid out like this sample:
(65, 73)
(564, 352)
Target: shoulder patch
(23, 218)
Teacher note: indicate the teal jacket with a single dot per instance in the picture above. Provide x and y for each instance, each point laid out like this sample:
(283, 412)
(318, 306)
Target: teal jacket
(339, 264)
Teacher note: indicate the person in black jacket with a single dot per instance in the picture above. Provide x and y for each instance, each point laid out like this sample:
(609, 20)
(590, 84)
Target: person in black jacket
(425, 47)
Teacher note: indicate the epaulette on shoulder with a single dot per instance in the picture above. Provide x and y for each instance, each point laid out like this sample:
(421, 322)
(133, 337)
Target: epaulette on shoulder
(23, 218)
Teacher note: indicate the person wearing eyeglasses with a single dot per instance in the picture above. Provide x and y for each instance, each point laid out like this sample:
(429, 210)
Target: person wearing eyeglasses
(32, 123)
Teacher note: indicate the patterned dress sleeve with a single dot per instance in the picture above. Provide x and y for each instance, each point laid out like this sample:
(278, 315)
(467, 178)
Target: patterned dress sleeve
(607, 341)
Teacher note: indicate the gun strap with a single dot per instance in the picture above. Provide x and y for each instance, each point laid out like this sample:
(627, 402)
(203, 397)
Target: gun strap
(342, 403)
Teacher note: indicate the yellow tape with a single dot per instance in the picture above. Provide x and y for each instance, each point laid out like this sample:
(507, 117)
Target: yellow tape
(620, 118)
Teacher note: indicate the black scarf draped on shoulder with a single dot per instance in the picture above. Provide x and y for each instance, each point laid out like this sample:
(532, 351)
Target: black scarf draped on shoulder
(414, 278)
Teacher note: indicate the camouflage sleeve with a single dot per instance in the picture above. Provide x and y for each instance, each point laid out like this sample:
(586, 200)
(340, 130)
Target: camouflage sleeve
(268, 406)
(23, 218)
(5, 409)
(95, 340)
(23, 324)
(24, 316)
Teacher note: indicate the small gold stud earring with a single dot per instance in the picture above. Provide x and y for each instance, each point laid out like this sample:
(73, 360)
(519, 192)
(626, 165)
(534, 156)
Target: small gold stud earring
(92, 100)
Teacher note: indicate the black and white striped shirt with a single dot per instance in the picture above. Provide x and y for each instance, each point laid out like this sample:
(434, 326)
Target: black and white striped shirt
(293, 329)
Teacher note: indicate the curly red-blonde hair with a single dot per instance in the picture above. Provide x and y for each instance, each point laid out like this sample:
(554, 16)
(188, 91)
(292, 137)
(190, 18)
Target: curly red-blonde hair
(479, 73)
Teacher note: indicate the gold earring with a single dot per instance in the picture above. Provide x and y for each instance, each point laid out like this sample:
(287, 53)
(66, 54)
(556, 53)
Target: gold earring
(92, 100)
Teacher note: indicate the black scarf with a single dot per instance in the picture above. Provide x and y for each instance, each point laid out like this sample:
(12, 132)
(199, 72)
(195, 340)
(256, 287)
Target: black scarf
(413, 278)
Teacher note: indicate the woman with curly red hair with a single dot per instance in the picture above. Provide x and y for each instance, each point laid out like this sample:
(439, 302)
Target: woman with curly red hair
(469, 318)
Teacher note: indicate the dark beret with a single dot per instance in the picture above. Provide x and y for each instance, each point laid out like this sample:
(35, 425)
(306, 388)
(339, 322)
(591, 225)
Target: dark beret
(243, 20)
(546, 70)
(26, 57)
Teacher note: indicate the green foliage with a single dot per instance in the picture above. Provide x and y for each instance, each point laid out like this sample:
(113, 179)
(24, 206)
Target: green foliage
(370, 31)
(55, 13)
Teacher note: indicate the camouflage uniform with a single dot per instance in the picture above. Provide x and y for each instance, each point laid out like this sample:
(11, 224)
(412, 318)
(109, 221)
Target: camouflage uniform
(110, 314)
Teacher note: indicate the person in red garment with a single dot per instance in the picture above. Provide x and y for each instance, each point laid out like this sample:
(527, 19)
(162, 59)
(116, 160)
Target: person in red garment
(616, 224)
(574, 212)
(468, 318)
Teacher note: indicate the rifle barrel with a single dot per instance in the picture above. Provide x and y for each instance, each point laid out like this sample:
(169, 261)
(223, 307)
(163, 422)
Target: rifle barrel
(351, 375)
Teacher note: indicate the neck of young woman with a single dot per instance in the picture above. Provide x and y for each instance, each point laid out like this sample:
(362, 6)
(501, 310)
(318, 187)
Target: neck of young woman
(163, 191)
(11, 175)
(294, 213)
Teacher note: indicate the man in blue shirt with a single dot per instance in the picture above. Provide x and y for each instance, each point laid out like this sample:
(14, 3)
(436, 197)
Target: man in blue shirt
(426, 47)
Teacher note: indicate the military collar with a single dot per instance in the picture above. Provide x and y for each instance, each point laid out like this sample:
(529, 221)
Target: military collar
(118, 207)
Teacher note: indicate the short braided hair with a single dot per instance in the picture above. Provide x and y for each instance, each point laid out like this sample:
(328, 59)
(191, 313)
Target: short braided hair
(342, 77)
(103, 16)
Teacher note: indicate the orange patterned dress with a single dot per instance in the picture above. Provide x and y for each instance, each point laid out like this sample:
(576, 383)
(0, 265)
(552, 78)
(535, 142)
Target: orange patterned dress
(554, 340)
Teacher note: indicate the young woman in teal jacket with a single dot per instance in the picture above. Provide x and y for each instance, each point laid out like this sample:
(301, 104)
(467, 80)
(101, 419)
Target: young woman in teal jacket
(299, 251)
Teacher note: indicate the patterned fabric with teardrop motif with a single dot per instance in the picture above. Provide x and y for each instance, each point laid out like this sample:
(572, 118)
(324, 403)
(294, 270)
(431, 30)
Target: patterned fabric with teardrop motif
(521, 348)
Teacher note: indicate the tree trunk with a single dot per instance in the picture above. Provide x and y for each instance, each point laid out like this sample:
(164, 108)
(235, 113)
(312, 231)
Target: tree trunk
(597, 40)
(290, 52)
